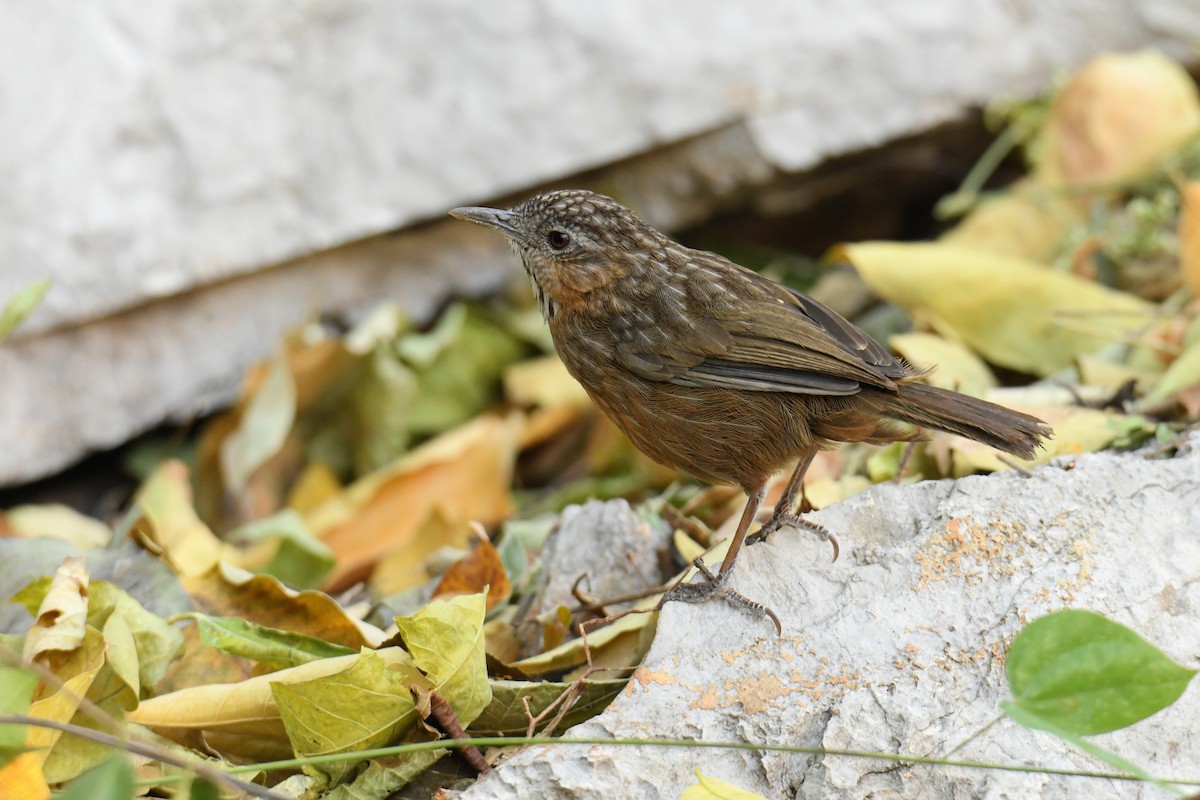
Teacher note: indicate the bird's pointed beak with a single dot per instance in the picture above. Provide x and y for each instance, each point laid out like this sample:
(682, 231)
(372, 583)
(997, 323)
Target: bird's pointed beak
(502, 220)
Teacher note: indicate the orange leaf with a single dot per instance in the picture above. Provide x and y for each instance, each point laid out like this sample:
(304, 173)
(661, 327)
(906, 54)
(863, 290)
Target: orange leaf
(471, 573)
(465, 473)
(1189, 237)
(22, 779)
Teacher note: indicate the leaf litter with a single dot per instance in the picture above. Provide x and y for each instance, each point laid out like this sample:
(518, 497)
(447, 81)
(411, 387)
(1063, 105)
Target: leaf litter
(361, 533)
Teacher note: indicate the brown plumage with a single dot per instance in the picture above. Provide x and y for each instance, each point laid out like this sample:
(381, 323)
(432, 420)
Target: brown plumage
(711, 368)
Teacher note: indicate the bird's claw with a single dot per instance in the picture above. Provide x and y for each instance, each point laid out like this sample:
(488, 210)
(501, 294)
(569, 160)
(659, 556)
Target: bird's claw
(713, 585)
(796, 521)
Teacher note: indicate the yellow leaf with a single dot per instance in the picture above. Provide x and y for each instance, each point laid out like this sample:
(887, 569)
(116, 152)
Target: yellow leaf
(716, 789)
(1024, 222)
(1116, 119)
(410, 566)
(447, 643)
(262, 428)
(1015, 313)
(243, 716)
(1076, 430)
(22, 779)
(165, 500)
(77, 674)
(543, 382)
(955, 367)
(56, 521)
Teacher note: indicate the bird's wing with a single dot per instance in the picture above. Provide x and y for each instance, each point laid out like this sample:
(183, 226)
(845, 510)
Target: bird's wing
(786, 342)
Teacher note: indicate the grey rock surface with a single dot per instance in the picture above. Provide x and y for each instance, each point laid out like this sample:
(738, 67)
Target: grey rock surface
(161, 161)
(605, 549)
(900, 645)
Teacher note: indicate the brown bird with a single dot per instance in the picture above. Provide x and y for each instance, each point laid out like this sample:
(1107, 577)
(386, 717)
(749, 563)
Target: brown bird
(713, 369)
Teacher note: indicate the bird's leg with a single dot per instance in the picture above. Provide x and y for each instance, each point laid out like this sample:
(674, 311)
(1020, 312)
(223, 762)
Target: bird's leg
(785, 510)
(714, 585)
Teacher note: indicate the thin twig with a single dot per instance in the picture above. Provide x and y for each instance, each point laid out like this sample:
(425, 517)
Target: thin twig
(443, 714)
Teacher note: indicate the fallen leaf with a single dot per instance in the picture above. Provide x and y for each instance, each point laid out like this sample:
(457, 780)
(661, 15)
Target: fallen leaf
(1015, 313)
(505, 714)
(1116, 119)
(61, 615)
(474, 572)
(22, 779)
(466, 473)
(228, 591)
(1183, 373)
(273, 648)
(56, 521)
(262, 427)
(243, 717)
(174, 529)
(1189, 236)
(709, 788)
(954, 366)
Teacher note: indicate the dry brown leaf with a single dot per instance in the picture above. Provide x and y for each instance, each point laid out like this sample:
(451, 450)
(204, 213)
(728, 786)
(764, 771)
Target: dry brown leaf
(228, 591)
(473, 572)
(465, 472)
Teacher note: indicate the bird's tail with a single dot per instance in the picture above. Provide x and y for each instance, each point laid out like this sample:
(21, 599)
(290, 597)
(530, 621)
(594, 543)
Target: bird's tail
(1002, 428)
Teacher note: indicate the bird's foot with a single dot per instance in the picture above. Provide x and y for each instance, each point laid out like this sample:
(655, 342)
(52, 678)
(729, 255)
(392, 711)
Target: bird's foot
(713, 585)
(796, 521)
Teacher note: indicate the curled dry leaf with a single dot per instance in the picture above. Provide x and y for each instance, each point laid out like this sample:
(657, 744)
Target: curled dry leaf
(471, 574)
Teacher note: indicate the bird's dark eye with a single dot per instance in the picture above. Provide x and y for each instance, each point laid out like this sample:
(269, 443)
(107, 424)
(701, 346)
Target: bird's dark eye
(558, 239)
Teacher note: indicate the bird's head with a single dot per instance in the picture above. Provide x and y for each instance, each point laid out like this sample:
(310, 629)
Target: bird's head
(573, 242)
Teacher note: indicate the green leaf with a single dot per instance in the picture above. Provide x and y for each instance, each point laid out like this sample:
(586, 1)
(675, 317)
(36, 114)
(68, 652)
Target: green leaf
(1183, 372)
(273, 648)
(1035, 722)
(383, 776)
(158, 643)
(505, 714)
(1086, 674)
(716, 789)
(16, 693)
(302, 560)
(365, 706)
(111, 779)
(263, 427)
(20, 306)
(446, 641)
